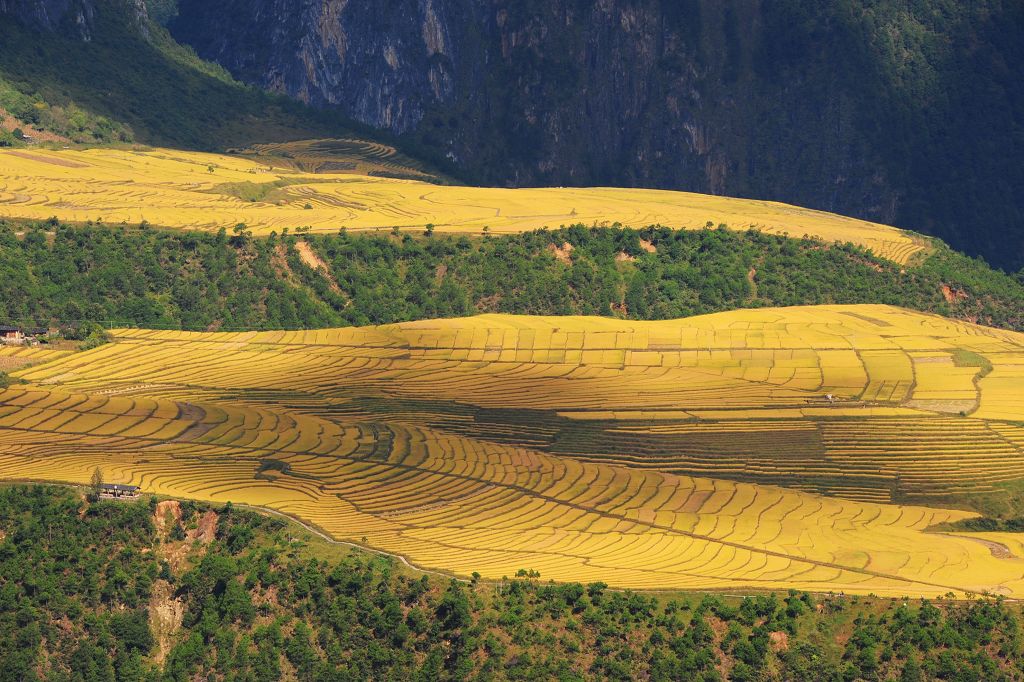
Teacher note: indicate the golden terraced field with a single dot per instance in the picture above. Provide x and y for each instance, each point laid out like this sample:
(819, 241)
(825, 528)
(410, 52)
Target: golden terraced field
(176, 189)
(643, 454)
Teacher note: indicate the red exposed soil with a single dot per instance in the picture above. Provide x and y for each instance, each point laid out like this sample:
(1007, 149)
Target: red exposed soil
(9, 123)
(562, 253)
(314, 261)
(165, 509)
(206, 531)
(952, 295)
(165, 617)
(779, 640)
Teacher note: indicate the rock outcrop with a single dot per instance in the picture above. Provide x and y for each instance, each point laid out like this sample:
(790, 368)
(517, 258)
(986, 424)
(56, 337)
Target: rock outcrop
(75, 16)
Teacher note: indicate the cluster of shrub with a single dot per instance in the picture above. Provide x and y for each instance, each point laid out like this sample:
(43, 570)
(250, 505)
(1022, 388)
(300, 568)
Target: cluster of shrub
(77, 579)
(67, 120)
(196, 280)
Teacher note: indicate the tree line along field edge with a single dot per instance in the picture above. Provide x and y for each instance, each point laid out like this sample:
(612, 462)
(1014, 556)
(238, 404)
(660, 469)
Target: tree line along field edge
(178, 279)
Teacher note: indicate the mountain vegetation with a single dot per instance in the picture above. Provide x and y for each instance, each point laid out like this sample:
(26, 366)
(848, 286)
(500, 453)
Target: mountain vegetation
(141, 276)
(79, 89)
(167, 591)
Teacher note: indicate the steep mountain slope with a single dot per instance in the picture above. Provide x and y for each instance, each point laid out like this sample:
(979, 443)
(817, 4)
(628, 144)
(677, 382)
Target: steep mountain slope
(100, 71)
(910, 114)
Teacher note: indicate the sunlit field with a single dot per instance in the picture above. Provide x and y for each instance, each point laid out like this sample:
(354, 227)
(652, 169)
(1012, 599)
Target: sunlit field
(207, 192)
(809, 448)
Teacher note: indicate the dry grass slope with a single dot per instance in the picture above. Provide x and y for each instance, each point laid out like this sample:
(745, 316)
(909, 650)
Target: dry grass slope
(357, 432)
(201, 191)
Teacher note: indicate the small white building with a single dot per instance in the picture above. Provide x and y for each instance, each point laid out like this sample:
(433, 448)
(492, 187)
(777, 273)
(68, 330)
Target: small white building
(119, 492)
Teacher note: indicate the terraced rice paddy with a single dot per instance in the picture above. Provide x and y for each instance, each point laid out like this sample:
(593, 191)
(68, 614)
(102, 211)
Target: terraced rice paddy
(336, 156)
(643, 454)
(16, 357)
(208, 192)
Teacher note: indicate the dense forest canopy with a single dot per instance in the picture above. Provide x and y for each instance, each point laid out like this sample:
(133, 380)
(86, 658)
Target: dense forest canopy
(117, 275)
(148, 591)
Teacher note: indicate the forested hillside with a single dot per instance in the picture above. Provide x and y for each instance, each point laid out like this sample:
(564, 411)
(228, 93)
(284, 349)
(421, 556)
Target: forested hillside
(167, 591)
(229, 280)
(65, 76)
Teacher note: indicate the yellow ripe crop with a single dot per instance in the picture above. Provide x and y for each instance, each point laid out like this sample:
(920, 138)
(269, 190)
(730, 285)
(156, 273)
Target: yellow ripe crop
(15, 357)
(568, 457)
(209, 191)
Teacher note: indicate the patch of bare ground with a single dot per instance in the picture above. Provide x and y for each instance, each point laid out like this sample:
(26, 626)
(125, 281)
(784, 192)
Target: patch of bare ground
(166, 614)
(779, 640)
(953, 295)
(623, 257)
(996, 549)
(267, 597)
(166, 517)
(562, 253)
(316, 263)
(489, 304)
(166, 513)
(9, 123)
(719, 628)
(280, 262)
(49, 159)
(10, 363)
(206, 531)
(648, 246)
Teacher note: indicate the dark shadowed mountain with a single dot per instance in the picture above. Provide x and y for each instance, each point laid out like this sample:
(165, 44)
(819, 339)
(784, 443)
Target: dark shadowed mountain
(908, 113)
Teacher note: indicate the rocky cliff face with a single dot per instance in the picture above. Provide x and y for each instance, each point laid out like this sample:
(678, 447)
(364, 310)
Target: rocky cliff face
(74, 15)
(832, 104)
(564, 92)
(75, 18)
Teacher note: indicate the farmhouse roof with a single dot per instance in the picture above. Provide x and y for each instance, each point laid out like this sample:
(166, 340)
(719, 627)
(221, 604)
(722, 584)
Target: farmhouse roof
(118, 486)
(7, 328)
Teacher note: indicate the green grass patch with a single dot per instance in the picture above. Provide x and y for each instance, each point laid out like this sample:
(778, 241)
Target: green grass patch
(265, 192)
(968, 358)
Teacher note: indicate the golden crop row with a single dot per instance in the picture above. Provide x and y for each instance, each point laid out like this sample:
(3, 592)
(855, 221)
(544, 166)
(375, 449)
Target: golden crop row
(714, 395)
(192, 190)
(462, 505)
(562, 448)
